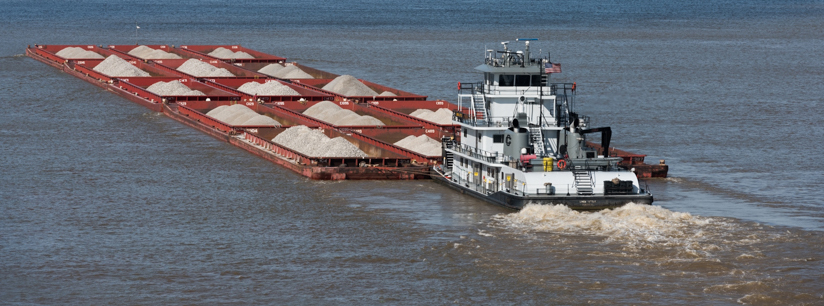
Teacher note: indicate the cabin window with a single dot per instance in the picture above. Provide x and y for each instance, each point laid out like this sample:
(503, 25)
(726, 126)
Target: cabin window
(506, 80)
(536, 80)
(498, 138)
(523, 80)
(464, 133)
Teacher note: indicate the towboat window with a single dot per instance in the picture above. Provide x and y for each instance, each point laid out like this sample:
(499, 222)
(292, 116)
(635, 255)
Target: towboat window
(536, 80)
(499, 138)
(506, 80)
(522, 80)
(464, 133)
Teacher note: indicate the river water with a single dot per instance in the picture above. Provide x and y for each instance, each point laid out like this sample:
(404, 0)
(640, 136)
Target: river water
(105, 202)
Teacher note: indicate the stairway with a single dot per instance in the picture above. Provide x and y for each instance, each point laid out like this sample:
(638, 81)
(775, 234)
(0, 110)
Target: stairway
(583, 182)
(447, 155)
(537, 138)
(479, 106)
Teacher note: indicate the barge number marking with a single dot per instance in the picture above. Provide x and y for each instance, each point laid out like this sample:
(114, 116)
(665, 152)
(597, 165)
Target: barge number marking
(252, 130)
(182, 103)
(280, 103)
(250, 103)
(430, 131)
(439, 103)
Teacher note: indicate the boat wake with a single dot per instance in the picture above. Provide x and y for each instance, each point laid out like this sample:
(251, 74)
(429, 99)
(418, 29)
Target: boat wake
(636, 227)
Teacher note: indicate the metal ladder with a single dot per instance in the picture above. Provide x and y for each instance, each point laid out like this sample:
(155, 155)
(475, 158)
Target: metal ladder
(448, 155)
(479, 106)
(583, 182)
(537, 138)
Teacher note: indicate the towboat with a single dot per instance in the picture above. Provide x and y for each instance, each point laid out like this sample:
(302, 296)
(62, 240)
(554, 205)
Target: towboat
(521, 142)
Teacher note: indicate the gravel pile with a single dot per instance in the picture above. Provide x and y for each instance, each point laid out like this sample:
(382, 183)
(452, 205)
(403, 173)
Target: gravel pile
(349, 86)
(441, 116)
(198, 68)
(421, 144)
(118, 67)
(239, 114)
(77, 52)
(316, 144)
(149, 53)
(267, 89)
(387, 94)
(222, 52)
(173, 88)
(287, 72)
(334, 114)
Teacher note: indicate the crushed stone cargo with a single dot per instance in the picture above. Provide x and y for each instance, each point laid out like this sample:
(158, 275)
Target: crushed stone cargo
(77, 52)
(422, 144)
(267, 89)
(222, 52)
(316, 144)
(118, 67)
(145, 52)
(238, 115)
(441, 116)
(287, 72)
(349, 86)
(334, 114)
(198, 68)
(173, 88)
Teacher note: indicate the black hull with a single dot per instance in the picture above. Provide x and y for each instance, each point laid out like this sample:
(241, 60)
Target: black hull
(576, 202)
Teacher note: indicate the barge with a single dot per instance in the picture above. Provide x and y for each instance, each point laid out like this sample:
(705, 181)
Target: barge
(522, 143)
(385, 160)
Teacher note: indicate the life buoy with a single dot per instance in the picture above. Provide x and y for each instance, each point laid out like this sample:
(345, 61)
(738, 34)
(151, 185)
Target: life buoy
(561, 164)
(459, 85)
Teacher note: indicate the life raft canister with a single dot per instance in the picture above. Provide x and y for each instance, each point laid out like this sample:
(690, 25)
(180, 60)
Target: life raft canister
(561, 164)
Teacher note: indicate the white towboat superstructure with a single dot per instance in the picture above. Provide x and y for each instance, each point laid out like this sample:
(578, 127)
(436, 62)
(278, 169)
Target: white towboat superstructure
(520, 142)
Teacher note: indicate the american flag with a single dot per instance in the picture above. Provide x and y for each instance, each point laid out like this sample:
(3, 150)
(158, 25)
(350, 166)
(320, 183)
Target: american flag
(552, 68)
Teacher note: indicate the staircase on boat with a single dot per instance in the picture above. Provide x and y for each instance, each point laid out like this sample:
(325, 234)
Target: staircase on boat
(583, 182)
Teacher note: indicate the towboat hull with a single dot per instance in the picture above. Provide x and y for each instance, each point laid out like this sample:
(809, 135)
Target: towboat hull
(576, 202)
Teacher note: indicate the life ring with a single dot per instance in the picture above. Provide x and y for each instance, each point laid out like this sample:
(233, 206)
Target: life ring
(561, 164)
(459, 85)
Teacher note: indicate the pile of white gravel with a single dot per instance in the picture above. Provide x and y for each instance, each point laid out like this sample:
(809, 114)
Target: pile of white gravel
(441, 116)
(268, 89)
(287, 72)
(77, 52)
(239, 115)
(388, 94)
(421, 144)
(145, 52)
(334, 114)
(173, 88)
(117, 67)
(201, 69)
(222, 52)
(349, 86)
(316, 144)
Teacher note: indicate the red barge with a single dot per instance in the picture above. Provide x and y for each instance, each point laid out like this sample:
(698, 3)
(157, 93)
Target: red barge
(385, 160)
